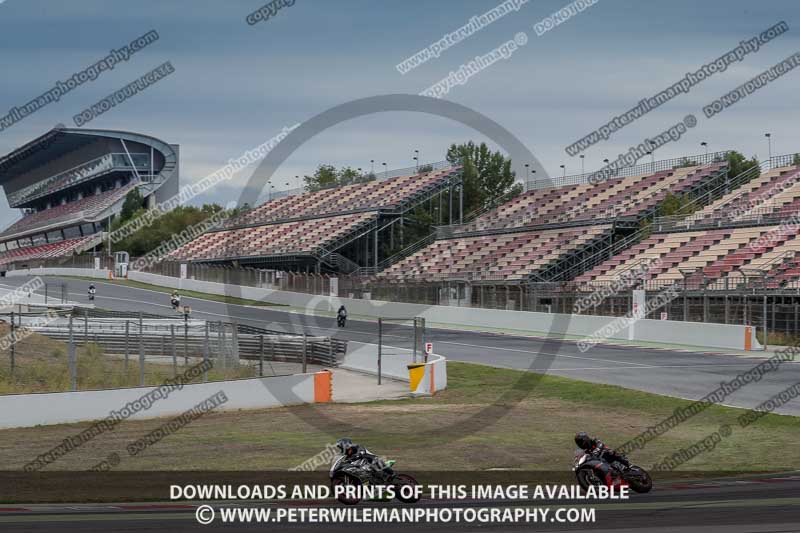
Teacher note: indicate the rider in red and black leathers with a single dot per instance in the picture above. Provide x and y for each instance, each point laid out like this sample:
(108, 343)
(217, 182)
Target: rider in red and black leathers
(601, 451)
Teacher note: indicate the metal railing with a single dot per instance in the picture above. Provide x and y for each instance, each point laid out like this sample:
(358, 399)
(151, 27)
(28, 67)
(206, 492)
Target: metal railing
(635, 170)
(78, 174)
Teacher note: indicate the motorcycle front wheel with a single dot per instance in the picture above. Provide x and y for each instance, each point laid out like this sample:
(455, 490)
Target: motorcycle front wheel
(404, 479)
(345, 479)
(586, 478)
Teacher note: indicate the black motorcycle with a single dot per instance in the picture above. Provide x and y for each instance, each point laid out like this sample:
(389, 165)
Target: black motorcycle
(176, 302)
(587, 471)
(359, 472)
(341, 320)
(91, 294)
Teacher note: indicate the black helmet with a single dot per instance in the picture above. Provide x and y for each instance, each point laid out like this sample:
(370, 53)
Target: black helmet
(583, 440)
(344, 445)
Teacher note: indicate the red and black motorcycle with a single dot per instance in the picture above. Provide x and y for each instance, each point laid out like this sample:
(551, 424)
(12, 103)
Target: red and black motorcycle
(588, 470)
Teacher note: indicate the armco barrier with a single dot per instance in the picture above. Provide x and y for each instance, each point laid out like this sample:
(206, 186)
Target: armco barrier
(524, 322)
(28, 410)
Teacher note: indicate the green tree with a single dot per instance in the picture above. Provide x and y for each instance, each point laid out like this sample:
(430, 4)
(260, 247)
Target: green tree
(796, 159)
(324, 177)
(738, 163)
(133, 202)
(487, 175)
(425, 169)
(163, 229)
(327, 176)
(676, 204)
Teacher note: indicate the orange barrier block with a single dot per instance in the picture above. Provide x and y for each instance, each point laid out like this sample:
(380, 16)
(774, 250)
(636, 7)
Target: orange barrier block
(323, 386)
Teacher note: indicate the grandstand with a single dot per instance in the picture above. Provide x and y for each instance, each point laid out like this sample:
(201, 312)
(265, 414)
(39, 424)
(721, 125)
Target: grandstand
(333, 230)
(548, 229)
(745, 231)
(70, 182)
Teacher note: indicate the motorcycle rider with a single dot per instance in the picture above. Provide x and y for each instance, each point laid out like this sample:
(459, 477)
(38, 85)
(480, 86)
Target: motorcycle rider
(354, 452)
(175, 300)
(341, 316)
(607, 455)
(92, 290)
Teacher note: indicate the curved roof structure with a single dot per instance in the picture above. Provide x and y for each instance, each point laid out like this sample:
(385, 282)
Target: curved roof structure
(60, 141)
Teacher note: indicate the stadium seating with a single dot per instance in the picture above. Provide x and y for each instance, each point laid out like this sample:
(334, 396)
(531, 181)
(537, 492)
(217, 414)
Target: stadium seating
(508, 256)
(372, 195)
(298, 237)
(627, 196)
(89, 206)
(701, 255)
(45, 251)
(776, 192)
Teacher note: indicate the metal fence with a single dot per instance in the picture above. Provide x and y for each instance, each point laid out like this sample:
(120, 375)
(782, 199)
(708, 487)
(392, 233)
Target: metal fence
(136, 348)
(635, 170)
(404, 335)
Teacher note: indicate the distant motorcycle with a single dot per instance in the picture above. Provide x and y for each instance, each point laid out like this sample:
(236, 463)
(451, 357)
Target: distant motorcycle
(587, 472)
(91, 293)
(360, 473)
(176, 303)
(341, 320)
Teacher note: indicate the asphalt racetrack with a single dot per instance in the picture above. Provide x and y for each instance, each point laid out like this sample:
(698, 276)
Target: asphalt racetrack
(682, 374)
(749, 505)
(755, 505)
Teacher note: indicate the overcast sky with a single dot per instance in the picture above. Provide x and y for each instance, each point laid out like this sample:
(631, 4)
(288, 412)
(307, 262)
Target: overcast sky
(236, 85)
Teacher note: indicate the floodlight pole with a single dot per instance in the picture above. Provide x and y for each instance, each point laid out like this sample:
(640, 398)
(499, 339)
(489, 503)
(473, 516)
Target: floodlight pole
(380, 347)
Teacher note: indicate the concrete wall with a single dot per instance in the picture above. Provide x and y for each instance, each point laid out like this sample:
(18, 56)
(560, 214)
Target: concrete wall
(524, 322)
(102, 273)
(27, 410)
(363, 357)
(434, 376)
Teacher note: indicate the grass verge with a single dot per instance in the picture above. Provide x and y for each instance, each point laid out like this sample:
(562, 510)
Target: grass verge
(41, 366)
(520, 420)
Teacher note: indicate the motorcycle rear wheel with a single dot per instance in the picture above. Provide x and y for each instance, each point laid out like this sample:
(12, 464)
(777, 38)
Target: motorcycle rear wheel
(404, 479)
(639, 480)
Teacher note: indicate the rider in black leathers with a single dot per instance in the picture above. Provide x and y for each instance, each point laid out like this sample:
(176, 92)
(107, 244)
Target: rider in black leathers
(607, 455)
(354, 452)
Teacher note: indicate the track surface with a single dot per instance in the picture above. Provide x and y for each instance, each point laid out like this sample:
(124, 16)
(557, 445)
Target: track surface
(662, 371)
(764, 505)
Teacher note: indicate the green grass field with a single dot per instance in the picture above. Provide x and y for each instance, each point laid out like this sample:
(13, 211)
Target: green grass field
(488, 418)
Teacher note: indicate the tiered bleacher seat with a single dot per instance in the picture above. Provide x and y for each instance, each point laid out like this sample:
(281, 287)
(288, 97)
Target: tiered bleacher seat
(697, 255)
(508, 256)
(297, 237)
(776, 192)
(628, 196)
(90, 205)
(45, 251)
(373, 195)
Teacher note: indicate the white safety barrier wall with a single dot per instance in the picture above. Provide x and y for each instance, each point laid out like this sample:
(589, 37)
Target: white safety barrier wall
(102, 273)
(28, 410)
(429, 378)
(524, 322)
(363, 357)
